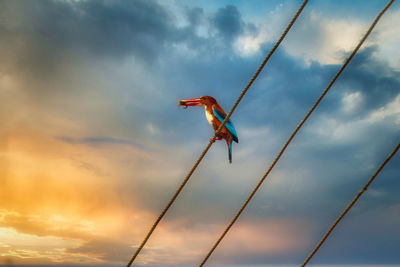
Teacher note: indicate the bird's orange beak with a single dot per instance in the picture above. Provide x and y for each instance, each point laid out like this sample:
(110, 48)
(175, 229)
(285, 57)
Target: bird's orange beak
(190, 102)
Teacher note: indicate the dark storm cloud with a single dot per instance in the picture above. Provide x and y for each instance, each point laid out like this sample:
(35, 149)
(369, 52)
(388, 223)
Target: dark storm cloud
(228, 22)
(378, 82)
(288, 89)
(45, 33)
(285, 90)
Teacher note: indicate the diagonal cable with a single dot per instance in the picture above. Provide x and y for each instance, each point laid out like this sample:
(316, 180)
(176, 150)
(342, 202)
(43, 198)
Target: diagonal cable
(294, 133)
(164, 211)
(350, 205)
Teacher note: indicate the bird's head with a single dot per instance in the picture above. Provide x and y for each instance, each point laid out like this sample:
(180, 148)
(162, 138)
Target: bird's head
(202, 101)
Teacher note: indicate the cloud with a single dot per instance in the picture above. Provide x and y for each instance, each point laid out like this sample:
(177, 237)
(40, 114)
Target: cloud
(106, 250)
(46, 226)
(99, 28)
(317, 38)
(100, 140)
(228, 22)
(391, 111)
(324, 38)
(30, 249)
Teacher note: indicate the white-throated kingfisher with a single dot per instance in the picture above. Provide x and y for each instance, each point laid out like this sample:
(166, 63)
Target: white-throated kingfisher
(215, 116)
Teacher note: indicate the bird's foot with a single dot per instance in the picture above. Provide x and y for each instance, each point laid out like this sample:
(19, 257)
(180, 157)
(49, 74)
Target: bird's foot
(216, 138)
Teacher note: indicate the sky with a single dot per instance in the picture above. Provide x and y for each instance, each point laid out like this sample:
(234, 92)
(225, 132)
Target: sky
(92, 144)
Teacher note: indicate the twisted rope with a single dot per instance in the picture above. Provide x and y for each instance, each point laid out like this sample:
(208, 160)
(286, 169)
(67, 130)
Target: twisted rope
(216, 133)
(350, 205)
(294, 133)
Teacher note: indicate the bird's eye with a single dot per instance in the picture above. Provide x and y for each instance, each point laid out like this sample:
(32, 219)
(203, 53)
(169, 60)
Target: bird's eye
(202, 98)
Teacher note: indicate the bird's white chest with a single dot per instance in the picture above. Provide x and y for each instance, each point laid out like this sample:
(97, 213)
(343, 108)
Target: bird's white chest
(209, 117)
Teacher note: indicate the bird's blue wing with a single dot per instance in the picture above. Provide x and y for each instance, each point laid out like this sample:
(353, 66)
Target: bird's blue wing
(229, 125)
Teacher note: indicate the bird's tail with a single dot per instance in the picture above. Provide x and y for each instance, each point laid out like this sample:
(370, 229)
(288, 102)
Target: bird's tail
(229, 143)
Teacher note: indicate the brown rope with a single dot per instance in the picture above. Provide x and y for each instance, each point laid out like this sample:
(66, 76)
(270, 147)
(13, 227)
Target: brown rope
(293, 134)
(216, 133)
(349, 206)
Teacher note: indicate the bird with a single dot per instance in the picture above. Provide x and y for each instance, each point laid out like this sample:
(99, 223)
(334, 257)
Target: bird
(215, 116)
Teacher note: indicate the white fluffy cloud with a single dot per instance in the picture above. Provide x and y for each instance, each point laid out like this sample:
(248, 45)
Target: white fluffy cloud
(316, 37)
(322, 39)
(388, 38)
(391, 110)
(350, 101)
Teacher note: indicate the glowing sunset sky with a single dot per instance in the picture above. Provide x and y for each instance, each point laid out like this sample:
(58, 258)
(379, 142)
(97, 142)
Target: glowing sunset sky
(92, 144)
